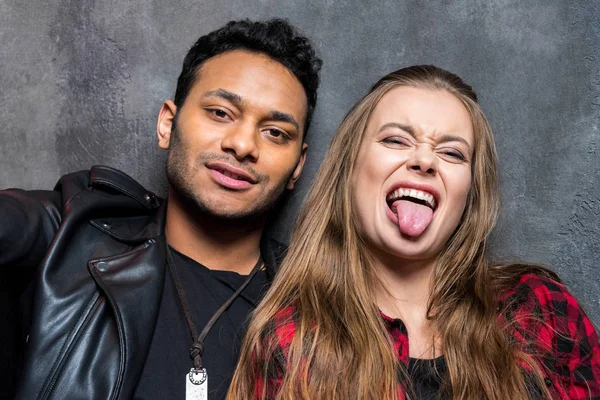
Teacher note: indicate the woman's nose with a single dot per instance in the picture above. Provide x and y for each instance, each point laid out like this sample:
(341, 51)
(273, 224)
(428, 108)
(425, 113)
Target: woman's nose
(423, 160)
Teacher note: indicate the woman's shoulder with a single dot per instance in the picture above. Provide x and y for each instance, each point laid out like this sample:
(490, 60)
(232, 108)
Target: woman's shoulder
(540, 292)
(280, 331)
(546, 298)
(284, 322)
(549, 313)
(544, 316)
(535, 283)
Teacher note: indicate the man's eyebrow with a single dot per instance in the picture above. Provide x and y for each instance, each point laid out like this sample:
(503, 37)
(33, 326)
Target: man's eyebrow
(410, 130)
(237, 100)
(284, 117)
(226, 95)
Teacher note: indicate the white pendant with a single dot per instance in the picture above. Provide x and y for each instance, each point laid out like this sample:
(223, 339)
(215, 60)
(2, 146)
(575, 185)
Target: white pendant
(196, 384)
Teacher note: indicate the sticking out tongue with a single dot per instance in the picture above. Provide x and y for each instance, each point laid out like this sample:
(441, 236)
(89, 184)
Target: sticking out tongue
(413, 218)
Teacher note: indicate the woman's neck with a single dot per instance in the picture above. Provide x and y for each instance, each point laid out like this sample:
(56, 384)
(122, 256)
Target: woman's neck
(402, 282)
(403, 292)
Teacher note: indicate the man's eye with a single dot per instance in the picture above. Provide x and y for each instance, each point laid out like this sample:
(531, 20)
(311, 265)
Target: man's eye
(277, 134)
(218, 113)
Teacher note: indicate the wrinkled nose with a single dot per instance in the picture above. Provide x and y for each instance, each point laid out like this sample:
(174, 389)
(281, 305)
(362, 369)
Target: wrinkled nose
(423, 160)
(241, 141)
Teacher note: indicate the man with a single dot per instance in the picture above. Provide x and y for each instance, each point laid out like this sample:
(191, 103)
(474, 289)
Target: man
(126, 283)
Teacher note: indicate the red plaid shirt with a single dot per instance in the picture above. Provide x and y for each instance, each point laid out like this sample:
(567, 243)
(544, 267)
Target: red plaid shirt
(545, 319)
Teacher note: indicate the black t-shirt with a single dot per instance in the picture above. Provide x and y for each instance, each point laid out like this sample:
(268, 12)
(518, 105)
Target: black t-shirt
(426, 377)
(168, 361)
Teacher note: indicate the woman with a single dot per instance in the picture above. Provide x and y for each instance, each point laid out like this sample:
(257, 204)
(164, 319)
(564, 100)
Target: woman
(387, 292)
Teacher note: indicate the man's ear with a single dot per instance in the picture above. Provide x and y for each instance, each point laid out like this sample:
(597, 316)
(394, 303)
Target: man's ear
(298, 169)
(164, 125)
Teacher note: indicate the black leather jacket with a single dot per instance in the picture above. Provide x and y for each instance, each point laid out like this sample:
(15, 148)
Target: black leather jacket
(95, 248)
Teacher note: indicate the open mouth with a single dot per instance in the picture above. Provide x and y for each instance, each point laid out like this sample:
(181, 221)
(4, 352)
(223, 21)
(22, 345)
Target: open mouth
(413, 195)
(412, 209)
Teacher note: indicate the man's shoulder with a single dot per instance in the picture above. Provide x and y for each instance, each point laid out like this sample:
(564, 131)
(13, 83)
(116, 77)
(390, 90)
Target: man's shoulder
(106, 181)
(272, 252)
(113, 202)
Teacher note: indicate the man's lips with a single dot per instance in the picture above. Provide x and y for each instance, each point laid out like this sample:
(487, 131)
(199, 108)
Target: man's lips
(230, 176)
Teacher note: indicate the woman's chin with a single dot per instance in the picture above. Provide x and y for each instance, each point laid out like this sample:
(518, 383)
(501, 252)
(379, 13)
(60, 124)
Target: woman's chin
(408, 248)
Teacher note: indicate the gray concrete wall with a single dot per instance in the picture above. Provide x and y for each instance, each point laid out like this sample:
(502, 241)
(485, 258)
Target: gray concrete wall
(81, 83)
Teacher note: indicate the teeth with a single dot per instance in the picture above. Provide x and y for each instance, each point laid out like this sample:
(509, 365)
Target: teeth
(416, 194)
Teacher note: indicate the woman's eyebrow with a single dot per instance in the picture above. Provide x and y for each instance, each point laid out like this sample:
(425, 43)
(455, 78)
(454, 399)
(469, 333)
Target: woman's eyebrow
(407, 128)
(411, 131)
(453, 138)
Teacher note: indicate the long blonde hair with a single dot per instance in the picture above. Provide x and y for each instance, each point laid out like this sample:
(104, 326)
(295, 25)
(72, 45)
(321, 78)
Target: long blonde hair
(341, 348)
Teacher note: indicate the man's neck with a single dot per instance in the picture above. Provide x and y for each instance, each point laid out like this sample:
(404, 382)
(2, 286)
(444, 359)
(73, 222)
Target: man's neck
(214, 243)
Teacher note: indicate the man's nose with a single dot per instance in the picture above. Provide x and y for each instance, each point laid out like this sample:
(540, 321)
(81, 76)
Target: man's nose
(423, 160)
(242, 141)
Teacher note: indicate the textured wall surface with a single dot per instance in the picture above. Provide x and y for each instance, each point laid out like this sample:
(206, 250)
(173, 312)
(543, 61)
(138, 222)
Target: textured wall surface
(81, 83)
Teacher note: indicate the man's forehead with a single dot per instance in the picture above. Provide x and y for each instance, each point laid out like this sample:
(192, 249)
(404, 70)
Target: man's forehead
(251, 79)
(241, 65)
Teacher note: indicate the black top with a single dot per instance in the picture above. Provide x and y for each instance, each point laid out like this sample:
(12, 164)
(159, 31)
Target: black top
(168, 361)
(426, 377)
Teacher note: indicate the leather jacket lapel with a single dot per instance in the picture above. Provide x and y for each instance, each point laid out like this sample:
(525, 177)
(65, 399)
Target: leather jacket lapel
(133, 285)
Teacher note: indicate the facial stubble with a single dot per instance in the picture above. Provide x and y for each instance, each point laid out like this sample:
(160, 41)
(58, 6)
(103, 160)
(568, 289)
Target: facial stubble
(180, 174)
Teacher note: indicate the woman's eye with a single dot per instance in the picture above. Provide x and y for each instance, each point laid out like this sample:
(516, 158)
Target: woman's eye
(454, 154)
(395, 140)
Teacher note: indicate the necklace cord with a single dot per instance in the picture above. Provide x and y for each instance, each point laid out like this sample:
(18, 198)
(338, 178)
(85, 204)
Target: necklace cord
(197, 347)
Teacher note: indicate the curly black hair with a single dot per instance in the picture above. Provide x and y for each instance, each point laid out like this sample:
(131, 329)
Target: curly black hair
(275, 38)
